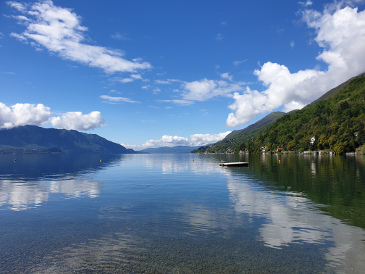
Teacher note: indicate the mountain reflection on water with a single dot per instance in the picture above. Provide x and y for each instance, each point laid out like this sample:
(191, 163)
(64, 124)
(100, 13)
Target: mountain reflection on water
(294, 219)
(335, 184)
(184, 213)
(292, 192)
(27, 180)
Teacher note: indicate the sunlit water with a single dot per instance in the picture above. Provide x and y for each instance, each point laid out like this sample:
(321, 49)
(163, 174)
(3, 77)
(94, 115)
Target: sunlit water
(181, 214)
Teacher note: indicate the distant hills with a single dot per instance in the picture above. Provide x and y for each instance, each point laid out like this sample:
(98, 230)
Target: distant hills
(34, 139)
(333, 122)
(169, 150)
(334, 91)
(253, 129)
(233, 141)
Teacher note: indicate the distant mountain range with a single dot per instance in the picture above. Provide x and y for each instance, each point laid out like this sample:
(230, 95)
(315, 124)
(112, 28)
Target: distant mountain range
(233, 140)
(169, 150)
(34, 139)
(333, 122)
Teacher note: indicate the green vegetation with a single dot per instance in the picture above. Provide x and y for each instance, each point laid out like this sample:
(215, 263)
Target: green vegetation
(37, 140)
(336, 122)
(361, 150)
(335, 185)
(233, 141)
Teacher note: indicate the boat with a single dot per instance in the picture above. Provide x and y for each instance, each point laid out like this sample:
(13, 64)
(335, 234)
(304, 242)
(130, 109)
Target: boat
(234, 164)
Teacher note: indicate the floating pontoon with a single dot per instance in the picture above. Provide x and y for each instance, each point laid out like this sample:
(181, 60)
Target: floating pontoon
(234, 164)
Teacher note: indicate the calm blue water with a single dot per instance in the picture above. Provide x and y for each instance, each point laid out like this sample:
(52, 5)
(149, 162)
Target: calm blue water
(181, 214)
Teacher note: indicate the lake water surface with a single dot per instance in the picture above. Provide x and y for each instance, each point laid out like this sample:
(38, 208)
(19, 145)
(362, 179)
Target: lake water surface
(182, 214)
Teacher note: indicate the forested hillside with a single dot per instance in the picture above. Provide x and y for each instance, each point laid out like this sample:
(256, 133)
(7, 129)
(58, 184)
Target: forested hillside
(336, 123)
(233, 141)
(333, 122)
(34, 139)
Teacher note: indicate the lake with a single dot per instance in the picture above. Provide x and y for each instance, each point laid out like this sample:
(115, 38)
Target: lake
(182, 214)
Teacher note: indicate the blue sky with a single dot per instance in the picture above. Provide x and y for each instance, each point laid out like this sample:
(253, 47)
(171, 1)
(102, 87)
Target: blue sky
(163, 73)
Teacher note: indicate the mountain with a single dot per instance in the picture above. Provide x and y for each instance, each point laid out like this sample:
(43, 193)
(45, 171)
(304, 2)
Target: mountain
(169, 150)
(334, 122)
(34, 139)
(233, 140)
(252, 129)
(333, 91)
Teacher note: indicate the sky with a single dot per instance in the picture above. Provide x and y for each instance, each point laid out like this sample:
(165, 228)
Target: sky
(164, 73)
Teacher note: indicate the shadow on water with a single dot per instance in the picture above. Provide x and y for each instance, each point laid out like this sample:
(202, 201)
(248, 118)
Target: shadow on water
(336, 184)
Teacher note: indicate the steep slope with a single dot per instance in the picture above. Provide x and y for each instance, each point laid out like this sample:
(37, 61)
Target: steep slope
(333, 91)
(267, 120)
(34, 139)
(233, 140)
(336, 123)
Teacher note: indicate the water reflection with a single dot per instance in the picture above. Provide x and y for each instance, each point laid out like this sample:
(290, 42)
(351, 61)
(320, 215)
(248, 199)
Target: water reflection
(292, 218)
(183, 213)
(38, 166)
(106, 254)
(178, 163)
(336, 182)
(289, 218)
(20, 195)
(29, 181)
(206, 219)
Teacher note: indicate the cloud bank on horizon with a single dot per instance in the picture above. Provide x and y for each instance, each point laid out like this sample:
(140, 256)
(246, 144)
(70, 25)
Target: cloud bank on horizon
(339, 32)
(171, 141)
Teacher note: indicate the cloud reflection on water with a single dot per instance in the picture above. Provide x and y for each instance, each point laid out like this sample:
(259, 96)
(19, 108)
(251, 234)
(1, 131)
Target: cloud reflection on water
(290, 217)
(175, 163)
(29, 181)
(22, 195)
(293, 219)
(108, 254)
(286, 218)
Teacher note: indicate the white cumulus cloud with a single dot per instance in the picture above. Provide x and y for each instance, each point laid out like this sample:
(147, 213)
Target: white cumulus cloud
(59, 30)
(78, 121)
(171, 141)
(206, 89)
(227, 76)
(168, 141)
(38, 115)
(204, 139)
(23, 114)
(341, 35)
